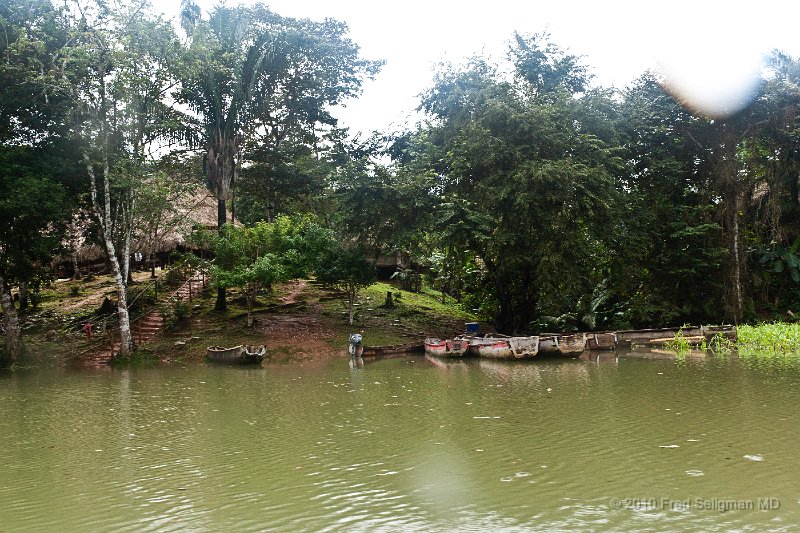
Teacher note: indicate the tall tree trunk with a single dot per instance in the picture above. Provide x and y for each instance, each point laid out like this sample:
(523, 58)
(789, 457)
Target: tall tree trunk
(23, 295)
(221, 170)
(13, 344)
(221, 304)
(104, 219)
(251, 296)
(730, 186)
(127, 221)
(76, 273)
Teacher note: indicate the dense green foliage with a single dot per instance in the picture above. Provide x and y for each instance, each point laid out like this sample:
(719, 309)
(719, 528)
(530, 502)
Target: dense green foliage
(347, 268)
(255, 258)
(554, 205)
(528, 194)
(32, 206)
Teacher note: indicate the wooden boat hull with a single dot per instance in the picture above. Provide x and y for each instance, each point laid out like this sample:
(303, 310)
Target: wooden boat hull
(236, 356)
(393, 349)
(496, 349)
(548, 344)
(726, 332)
(446, 347)
(524, 347)
(568, 345)
(571, 345)
(504, 348)
(643, 337)
(606, 340)
(254, 354)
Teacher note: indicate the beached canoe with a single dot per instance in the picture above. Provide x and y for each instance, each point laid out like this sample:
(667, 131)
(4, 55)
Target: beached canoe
(569, 345)
(725, 332)
(524, 347)
(491, 348)
(254, 354)
(446, 347)
(642, 337)
(548, 344)
(236, 355)
(602, 340)
(504, 347)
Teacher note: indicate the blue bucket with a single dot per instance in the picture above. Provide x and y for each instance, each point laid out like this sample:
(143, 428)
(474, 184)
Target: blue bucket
(471, 327)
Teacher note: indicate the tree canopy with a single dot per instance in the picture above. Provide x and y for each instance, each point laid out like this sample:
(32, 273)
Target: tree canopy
(527, 192)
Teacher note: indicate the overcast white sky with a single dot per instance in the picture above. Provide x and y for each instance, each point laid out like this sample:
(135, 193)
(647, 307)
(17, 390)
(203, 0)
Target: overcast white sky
(707, 41)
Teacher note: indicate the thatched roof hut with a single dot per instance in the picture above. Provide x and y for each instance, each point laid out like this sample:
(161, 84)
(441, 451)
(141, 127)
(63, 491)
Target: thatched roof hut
(157, 235)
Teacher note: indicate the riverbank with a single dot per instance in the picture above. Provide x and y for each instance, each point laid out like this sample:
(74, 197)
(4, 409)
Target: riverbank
(297, 321)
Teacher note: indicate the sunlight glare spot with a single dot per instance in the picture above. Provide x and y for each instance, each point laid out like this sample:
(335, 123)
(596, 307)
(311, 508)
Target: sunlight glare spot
(709, 65)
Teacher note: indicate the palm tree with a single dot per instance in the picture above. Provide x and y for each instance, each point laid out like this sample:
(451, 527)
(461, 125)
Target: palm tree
(254, 77)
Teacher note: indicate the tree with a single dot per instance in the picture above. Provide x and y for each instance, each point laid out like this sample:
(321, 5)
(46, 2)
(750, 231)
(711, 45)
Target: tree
(243, 259)
(165, 198)
(670, 250)
(347, 268)
(118, 68)
(33, 107)
(254, 77)
(255, 258)
(526, 175)
(31, 208)
(771, 209)
(289, 179)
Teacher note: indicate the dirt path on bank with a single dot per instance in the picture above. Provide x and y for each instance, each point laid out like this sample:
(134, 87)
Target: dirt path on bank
(298, 333)
(298, 286)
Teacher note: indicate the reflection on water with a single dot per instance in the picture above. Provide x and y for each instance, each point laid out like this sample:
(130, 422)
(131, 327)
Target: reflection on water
(608, 442)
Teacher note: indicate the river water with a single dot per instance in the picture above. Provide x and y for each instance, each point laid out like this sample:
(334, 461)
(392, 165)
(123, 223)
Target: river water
(622, 443)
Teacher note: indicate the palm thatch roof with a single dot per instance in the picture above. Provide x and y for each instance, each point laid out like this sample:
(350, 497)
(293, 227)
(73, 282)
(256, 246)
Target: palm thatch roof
(197, 209)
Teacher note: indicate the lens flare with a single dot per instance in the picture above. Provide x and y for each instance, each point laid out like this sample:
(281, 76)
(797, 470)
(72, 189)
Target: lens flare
(709, 64)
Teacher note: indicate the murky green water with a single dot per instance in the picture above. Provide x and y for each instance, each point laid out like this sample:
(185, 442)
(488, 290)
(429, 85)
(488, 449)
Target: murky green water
(408, 444)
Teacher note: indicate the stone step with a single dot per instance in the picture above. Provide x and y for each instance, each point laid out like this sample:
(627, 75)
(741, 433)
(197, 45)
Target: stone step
(149, 325)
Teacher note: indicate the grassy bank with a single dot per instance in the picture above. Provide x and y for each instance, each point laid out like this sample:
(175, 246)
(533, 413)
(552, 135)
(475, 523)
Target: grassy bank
(297, 321)
(774, 338)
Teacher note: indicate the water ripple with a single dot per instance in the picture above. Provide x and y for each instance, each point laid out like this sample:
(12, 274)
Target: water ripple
(546, 445)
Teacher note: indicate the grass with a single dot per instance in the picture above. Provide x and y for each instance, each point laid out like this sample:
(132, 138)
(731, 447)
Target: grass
(678, 343)
(413, 316)
(427, 301)
(769, 339)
